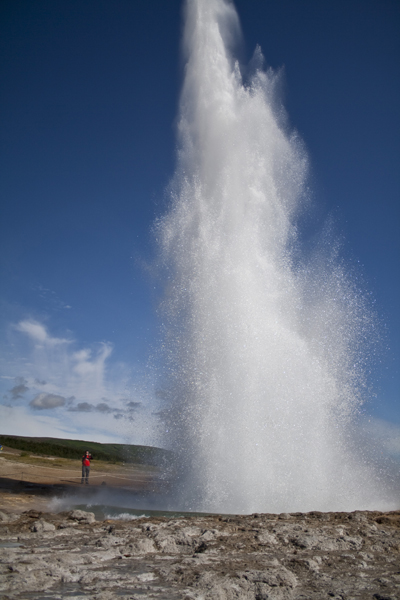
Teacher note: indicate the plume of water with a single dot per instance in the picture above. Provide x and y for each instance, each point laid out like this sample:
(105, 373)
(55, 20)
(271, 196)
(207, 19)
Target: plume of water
(263, 354)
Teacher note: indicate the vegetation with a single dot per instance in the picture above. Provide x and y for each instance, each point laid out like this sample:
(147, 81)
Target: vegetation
(143, 455)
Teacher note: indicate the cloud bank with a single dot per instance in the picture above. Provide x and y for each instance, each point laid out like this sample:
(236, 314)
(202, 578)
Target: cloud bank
(56, 378)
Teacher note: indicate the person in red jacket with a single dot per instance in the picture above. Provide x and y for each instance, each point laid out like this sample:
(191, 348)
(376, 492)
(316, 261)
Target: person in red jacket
(86, 458)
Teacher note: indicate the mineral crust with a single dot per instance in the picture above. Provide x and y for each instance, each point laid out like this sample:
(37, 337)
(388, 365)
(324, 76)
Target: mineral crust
(301, 556)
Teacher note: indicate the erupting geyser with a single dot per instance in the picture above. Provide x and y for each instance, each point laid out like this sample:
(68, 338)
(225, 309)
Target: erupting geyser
(263, 352)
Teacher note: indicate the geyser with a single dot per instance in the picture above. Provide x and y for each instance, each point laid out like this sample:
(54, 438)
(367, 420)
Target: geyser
(263, 351)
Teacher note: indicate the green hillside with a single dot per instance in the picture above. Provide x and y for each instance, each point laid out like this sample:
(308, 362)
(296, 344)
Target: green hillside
(144, 455)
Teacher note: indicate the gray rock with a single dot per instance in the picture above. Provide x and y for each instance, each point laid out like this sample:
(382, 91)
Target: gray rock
(82, 516)
(266, 538)
(140, 546)
(4, 518)
(42, 526)
(306, 556)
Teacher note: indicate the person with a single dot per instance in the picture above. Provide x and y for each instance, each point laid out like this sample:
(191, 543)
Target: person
(86, 458)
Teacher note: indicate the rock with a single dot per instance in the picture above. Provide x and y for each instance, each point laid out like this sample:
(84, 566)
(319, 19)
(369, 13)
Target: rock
(66, 524)
(266, 538)
(32, 514)
(42, 526)
(141, 546)
(146, 577)
(344, 556)
(4, 518)
(82, 516)
(284, 516)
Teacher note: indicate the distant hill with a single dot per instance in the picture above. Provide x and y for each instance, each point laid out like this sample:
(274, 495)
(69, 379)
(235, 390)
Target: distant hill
(128, 453)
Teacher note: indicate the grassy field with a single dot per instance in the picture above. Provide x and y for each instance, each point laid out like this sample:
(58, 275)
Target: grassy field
(73, 449)
(23, 458)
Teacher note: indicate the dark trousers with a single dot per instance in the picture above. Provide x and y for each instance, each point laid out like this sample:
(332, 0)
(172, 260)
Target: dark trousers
(85, 474)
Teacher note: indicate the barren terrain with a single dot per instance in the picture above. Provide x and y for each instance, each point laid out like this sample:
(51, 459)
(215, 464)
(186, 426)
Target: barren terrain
(28, 481)
(49, 555)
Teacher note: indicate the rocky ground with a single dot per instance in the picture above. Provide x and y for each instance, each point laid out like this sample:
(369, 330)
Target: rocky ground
(344, 556)
(49, 555)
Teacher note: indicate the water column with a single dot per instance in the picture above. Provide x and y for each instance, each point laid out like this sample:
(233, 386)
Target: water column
(263, 363)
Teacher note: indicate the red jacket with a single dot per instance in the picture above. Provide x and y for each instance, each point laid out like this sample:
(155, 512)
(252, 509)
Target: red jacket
(86, 458)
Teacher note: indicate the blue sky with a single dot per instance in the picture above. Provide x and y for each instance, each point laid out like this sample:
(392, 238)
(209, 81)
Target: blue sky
(88, 110)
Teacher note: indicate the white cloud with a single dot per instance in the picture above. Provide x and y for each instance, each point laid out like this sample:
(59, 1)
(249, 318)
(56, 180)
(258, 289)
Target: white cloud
(19, 421)
(66, 370)
(38, 333)
(92, 427)
(81, 387)
(47, 401)
(86, 366)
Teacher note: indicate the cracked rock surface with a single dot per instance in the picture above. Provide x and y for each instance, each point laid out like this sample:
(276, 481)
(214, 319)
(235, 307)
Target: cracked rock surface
(301, 556)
